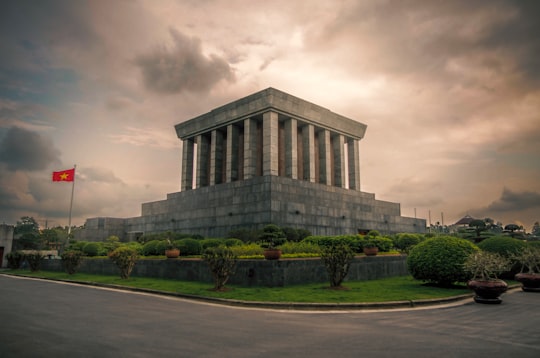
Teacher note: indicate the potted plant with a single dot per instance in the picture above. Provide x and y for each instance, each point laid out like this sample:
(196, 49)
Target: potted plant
(370, 247)
(271, 237)
(484, 267)
(171, 251)
(529, 275)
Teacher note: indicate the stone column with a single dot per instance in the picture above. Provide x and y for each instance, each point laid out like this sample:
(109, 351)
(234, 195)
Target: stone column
(308, 149)
(353, 152)
(216, 157)
(339, 160)
(325, 153)
(187, 165)
(203, 160)
(291, 147)
(270, 144)
(232, 153)
(250, 148)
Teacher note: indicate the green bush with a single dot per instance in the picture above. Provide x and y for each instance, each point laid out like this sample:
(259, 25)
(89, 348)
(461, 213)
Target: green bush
(384, 244)
(71, 260)
(233, 242)
(15, 259)
(222, 263)
(151, 248)
(248, 250)
(405, 241)
(300, 248)
(353, 241)
(211, 242)
(125, 258)
(161, 246)
(188, 247)
(502, 245)
(440, 260)
(34, 260)
(272, 236)
(337, 260)
(93, 249)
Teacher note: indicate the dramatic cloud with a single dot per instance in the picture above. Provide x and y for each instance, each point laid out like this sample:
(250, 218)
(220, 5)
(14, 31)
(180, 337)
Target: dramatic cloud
(511, 201)
(184, 67)
(21, 149)
(449, 90)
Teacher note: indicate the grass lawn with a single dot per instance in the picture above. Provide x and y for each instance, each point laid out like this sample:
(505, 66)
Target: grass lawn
(384, 290)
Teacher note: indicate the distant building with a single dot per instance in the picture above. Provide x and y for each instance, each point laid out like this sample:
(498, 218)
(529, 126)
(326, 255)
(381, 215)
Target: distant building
(267, 158)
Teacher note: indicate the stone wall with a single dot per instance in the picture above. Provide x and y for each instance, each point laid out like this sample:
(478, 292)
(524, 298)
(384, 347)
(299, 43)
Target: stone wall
(250, 272)
(213, 211)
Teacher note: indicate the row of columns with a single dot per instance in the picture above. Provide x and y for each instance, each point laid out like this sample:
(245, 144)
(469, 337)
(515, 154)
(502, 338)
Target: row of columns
(268, 145)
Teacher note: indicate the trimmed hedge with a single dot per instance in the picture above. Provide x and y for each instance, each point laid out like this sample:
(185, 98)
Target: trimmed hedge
(502, 245)
(440, 260)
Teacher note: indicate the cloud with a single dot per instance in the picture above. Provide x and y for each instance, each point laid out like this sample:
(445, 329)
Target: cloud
(512, 201)
(183, 67)
(21, 149)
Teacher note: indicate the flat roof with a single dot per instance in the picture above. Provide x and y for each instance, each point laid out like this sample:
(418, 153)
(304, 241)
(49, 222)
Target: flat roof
(277, 101)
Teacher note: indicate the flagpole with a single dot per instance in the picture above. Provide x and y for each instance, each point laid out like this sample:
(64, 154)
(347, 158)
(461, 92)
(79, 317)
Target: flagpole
(71, 202)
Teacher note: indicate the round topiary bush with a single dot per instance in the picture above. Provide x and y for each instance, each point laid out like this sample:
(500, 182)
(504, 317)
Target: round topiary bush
(189, 247)
(505, 246)
(92, 249)
(440, 260)
(151, 248)
(404, 242)
(502, 245)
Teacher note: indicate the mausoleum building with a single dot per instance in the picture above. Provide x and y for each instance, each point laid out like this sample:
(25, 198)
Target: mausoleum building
(267, 158)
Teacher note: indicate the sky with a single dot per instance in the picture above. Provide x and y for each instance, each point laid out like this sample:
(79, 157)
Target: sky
(449, 91)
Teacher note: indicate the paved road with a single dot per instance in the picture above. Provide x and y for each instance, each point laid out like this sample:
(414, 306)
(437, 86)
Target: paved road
(49, 319)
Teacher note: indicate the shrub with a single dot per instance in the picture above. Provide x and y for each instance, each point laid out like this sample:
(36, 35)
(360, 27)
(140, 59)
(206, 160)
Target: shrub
(208, 243)
(233, 242)
(125, 258)
(163, 245)
(15, 259)
(92, 249)
(502, 245)
(290, 234)
(248, 250)
(337, 259)
(151, 248)
(440, 260)
(353, 241)
(188, 247)
(485, 265)
(405, 241)
(384, 244)
(71, 260)
(222, 263)
(300, 248)
(34, 260)
(272, 236)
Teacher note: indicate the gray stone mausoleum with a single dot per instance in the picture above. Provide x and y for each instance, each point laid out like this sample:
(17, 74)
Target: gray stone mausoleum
(266, 158)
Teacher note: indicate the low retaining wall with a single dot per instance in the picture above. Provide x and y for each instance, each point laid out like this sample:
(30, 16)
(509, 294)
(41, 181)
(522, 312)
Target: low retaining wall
(249, 272)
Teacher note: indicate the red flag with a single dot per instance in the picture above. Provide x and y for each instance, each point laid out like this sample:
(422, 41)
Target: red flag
(64, 175)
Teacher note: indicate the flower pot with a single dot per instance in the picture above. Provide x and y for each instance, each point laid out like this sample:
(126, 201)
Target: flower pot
(172, 253)
(530, 281)
(272, 254)
(487, 291)
(370, 251)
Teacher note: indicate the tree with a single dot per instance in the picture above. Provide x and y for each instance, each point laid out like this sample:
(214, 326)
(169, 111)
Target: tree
(478, 226)
(536, 229)
(27, 224)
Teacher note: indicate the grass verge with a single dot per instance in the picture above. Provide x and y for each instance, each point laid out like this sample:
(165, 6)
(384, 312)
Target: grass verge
(403, 288)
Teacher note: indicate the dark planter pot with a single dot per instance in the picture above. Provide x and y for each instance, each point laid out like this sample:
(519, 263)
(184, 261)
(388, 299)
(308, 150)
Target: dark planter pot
(272, 254)
(371, 251)
(530, 281)
(488, 291)
(172, 254)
